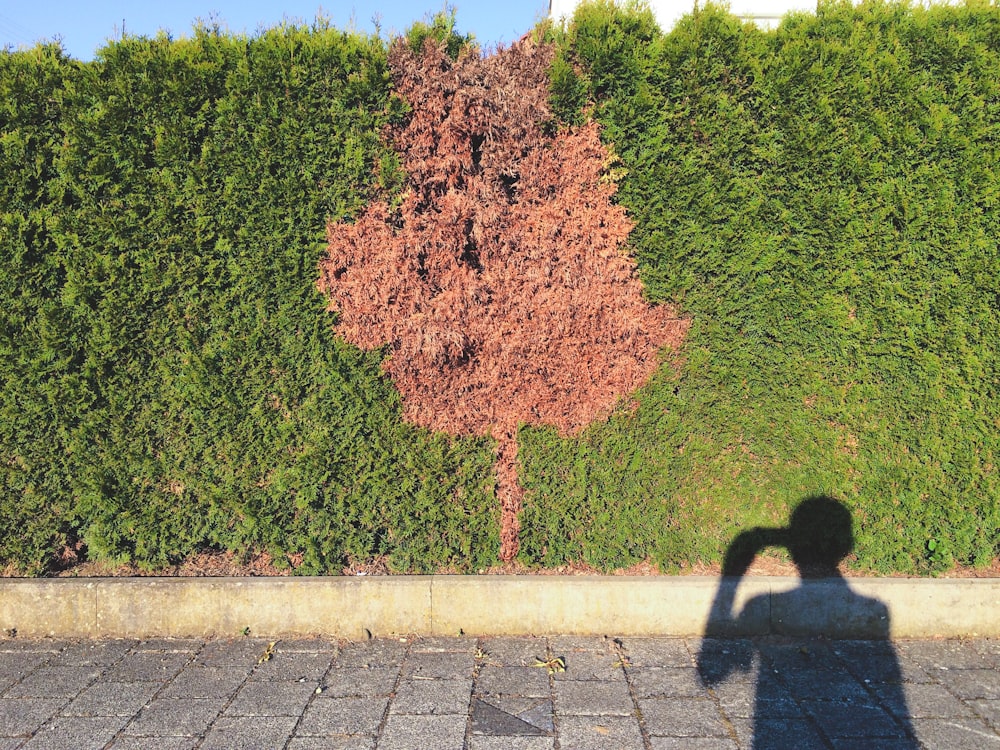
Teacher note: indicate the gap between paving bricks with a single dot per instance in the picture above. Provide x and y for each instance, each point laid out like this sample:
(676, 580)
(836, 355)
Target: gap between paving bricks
(499, 605)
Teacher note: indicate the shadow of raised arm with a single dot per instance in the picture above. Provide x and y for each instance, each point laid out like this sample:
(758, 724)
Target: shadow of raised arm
(714, 662)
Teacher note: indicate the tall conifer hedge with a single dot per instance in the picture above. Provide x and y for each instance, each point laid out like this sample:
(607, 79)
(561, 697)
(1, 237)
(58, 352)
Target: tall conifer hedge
(821, 200)
(170, 376)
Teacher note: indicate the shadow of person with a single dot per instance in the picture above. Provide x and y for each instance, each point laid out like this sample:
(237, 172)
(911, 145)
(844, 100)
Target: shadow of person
(805, 691)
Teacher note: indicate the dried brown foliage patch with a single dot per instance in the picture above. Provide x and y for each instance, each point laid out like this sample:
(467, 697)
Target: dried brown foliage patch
(500, 283)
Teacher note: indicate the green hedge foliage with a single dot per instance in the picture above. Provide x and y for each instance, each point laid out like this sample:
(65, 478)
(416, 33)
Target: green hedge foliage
(170, 377)
(823, 201)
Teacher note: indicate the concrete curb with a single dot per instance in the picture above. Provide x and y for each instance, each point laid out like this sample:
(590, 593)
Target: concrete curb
(499, 605)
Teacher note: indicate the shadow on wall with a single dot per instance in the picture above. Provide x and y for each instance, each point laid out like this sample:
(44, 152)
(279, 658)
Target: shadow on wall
(808, 694)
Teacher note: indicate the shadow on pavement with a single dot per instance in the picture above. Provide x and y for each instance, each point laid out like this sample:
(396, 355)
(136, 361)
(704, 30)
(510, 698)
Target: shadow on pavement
(793, 688)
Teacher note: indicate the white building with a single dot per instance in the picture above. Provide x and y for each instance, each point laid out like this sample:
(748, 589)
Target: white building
(765, 13)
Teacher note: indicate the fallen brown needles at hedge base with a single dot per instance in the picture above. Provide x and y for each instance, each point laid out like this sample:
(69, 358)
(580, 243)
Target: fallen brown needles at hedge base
(229, 564)
(500, 284)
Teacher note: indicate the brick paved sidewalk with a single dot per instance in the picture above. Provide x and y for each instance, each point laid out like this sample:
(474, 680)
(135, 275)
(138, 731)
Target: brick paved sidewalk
(488, 694)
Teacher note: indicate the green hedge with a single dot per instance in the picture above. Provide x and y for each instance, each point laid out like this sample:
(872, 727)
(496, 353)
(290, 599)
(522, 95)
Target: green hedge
(823, 201)
(170, 376)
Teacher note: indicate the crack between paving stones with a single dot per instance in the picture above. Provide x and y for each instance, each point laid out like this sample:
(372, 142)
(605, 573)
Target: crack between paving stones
(481, 703)
(874, 695)
(395, 689)
(131, 652)
(58, 713)
(647, 743)
(232, 694)
(726, 721)
(322, 683)
(476, 667)
(556, 717)
(809, 717)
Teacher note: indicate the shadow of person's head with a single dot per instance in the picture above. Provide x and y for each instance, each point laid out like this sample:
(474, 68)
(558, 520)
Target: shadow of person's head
(819, 536)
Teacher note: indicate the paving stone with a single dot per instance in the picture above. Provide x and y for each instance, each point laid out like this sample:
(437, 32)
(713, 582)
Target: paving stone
(874, 670)
(599, 733)
(249, 733)
(343, 716)
(235, 652)
(513, 652)
(483, 742)
(800, 654)
(779, 734)
(195, 681)
(855, 651)
(732, 659)
(567, 644)
(538, 712)
(153, 666)
(951, 654)
(178, 717)
(528, 681)
(746, 700)
(445, 645)
(491, 720)
(271, 699)
(989, 711)
(589, 665)
(54, 682)
(858, 688)
(16, 664)
(309, 645)
(956, 734)
(432, 697)
(867, 744)
(593, 698)
(691, 743)
(921, 701)
(126, 742)
(838, 719)
(374, 653)
(38, 645)
(439, 666)
(112, 699)
(76, 732)
(22, 716)
(666, 682)
(332, 743)
(408, 732)
(989, 649)
(873, 662)
(93, 653)
(657, 652)
(972, 684)
(342, 683)
(171, 645)
(293, 665)
(910, 671)
(823, 685)
(682, 717)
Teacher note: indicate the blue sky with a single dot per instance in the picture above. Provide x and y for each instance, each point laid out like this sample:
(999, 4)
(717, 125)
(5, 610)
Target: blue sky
(85, 25)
